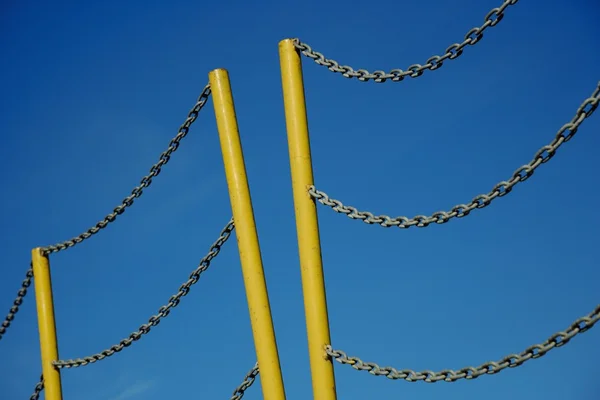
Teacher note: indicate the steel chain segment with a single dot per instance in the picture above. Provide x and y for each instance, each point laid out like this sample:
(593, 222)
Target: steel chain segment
(17, 302)
(164, 311)
(239, 391)
(453, 51)
(565, 133)
(145, 181)
(39, 387)
(128, 201)
(512, 360)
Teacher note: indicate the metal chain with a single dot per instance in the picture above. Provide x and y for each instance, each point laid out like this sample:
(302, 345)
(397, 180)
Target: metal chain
(162, 312)
(483, 200)
(144, 183)
(39, 387)
(513, 360)
(239, 391)
(17, 302)
(435, 62)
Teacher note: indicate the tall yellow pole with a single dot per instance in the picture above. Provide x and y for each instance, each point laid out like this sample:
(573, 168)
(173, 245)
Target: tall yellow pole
(46, 324)
(247, 237)
(309, 246)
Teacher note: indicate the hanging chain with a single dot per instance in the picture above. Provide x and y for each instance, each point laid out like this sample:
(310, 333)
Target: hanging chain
(17, 302)
(39, 387)
(128, 201)
(483, 200)
(239, 391)
(435, 62)
(144, 183)
(162, 312)
(513, 360)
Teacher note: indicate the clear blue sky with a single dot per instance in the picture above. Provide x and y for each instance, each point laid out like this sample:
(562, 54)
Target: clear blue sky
(92, 92)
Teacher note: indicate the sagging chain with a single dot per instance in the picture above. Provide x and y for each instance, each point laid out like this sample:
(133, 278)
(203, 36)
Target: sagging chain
(17, 302)
(145, 181)
(164, 311)
(39, 387)
(239, 391)
(565, 133)
(120, 209)
(513, 360)
(434, 62)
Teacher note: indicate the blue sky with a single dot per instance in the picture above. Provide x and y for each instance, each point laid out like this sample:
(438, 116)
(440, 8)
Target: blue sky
(93, 92)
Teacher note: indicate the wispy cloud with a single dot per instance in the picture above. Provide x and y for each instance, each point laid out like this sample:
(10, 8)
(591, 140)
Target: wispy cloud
(134, 390)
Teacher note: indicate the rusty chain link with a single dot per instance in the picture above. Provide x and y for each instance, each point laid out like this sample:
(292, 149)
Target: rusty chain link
(513, 360)
(164, 311)
(39, 387)
(239, 391)
(145, 181)
(483, 200)
(17, 302)
(435, 62)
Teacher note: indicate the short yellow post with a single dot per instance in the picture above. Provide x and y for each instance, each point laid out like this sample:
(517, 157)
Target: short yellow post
(46, 324)
(247, 237)
(309, 246)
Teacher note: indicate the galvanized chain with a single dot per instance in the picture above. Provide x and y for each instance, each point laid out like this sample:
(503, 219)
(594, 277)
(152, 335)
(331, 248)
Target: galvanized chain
(17, 302)
(513, 360)
(483, 200)
(164, 311)
(239, 391)
(435, 62)
(144, 183)
(39, 387)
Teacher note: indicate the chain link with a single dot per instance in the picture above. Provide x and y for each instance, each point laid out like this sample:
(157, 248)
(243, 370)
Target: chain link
(144, 183)
(162, 312)
(483, 200)
(239, 391)
(17, 302)
(434, 62)
(513, 360)
(39, 387)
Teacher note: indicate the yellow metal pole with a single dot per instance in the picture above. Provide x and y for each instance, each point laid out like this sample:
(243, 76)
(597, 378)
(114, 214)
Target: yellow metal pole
(46, 324)
(309, 246)
(247, 237)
